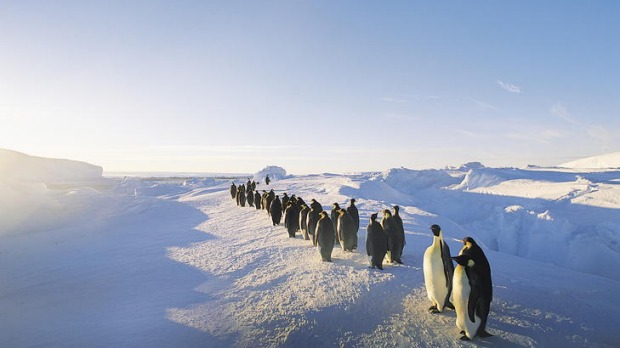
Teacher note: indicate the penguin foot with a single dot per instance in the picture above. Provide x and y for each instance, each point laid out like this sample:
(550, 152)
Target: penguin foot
(398, 261)
(435, 311)
(464, 338)
(449, 305)
(484, 333)
(432, 308)
(462, 332)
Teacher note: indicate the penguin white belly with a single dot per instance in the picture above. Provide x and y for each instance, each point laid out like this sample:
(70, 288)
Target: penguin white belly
(434, 277)
(460, 299)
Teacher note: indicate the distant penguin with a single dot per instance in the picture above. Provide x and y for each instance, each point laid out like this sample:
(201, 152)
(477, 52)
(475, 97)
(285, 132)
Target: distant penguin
(242, 196)
(483, 272)
(233, 191)
(270, 197)
(275, 211)
(303, 220)
(395, 240)
(346, 231)
(250, 198)
(312, 220)
(291, 219)
(284, 199)
(399, 224)
(325, 236)
(469, 299)
(354, 213)
(376, 242)
(334, 214)
(438, 272)
(352, 210)
(316, 205)
(257, 200)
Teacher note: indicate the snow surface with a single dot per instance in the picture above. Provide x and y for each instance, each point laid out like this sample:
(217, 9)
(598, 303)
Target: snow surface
(174, 262)
(610, 160)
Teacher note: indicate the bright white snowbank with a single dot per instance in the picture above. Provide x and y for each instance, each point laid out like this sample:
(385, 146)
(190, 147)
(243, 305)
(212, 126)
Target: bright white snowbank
(610, 160)
(28, 200)
(18, 166)
(176, 263)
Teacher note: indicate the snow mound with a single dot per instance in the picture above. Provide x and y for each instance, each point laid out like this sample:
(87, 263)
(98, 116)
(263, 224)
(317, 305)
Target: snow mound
(610, 160)
(18, 166)
(274, 172)
(410, 181)
(478, 177)
(30, 204)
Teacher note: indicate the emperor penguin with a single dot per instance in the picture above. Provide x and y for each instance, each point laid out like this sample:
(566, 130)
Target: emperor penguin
(346, 231)
(376, 242)
(482, 271)
(303, 222)
(438, 272)
(325, 237)
(469, 299)
(355, 215)
(395, 238)
(233, 190)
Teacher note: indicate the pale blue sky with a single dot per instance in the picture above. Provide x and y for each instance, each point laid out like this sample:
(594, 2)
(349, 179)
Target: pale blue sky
(312, 86)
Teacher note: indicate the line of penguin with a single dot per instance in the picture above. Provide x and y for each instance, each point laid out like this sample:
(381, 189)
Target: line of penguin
(469, 284)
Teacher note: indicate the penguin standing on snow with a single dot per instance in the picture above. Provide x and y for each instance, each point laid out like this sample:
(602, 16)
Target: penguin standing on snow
(395, 238)
(250, 198)
(346, 231)
(469, 299)
(334, 214)
(438, 272)
(291, 219)
(303, 222)
(276, 211)
(376, 242)
(312, 220)
(257, 200)
(482, 270)
(355, 215)
(325, 237)
(233, 191)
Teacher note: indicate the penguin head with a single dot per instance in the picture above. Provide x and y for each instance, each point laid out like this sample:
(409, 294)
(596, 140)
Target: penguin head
(469, 242)
(436, 229)
(336, 205)
(352, 200)
(373, 217)
(323, 214)
(387, 213)
(464, 260)
(396, 208)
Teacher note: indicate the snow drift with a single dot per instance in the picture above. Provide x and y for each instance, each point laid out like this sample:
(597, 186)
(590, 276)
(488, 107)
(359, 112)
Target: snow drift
(610, 160)
(18, 166)
(28, 200)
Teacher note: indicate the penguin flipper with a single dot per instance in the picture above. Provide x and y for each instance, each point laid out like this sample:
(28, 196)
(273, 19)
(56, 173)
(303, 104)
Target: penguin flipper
(448, 266)
(474, 295)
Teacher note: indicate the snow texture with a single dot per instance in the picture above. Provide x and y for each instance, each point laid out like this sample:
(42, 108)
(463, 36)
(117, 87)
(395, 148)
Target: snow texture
(174, 262)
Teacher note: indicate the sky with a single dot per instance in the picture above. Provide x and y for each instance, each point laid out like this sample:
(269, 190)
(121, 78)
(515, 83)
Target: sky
(311, 86)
